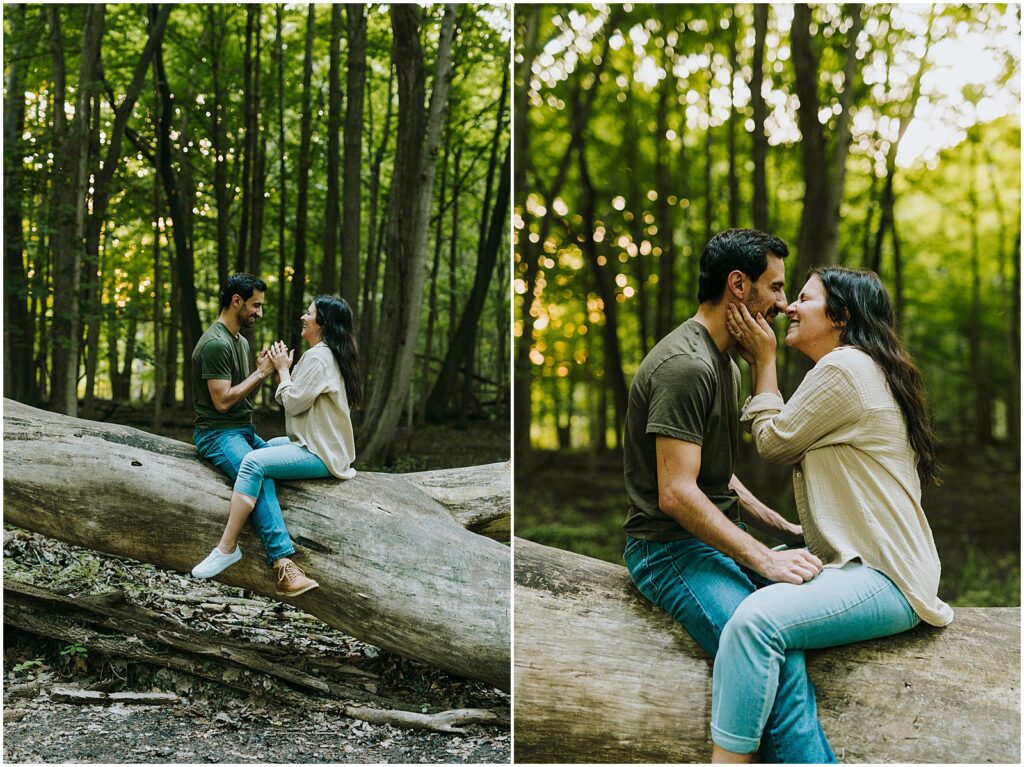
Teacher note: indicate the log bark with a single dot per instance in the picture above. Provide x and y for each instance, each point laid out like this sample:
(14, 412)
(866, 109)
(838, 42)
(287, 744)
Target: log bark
(396, 569)
(604, 676)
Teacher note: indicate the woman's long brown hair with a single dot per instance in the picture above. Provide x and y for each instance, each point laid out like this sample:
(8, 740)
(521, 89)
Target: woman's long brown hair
(857, 299)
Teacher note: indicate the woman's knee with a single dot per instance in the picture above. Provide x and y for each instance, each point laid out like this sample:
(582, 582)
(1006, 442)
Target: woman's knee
(251, 468)
(750, 626)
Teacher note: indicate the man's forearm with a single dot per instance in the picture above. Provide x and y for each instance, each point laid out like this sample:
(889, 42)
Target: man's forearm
(705, 521)
(759, 516)
(241, 390)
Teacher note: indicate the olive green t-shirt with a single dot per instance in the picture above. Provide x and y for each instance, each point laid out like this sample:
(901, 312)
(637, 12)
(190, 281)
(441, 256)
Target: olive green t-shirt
(686, 389)
(220, 355)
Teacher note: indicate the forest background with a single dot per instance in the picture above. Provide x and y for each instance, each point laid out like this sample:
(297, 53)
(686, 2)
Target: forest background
(149, 151)
(881, 136)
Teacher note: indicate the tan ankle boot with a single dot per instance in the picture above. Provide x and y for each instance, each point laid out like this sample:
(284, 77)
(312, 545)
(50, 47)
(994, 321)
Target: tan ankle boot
(291, 581)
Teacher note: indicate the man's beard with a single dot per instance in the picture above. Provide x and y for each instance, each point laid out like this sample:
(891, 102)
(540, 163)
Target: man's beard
(755, 303)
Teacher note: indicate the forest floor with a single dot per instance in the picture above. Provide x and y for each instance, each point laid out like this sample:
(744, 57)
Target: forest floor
(213, 722)
(575, 500)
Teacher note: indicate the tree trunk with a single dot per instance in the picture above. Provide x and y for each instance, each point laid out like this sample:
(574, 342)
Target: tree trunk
(185, 265)
(19, 335)
(223, 192)
(435, 270)
(249, 142)
(282, 176)
(760, 140)
(734, 182)
(603, 676)
(259, 165)
(71, 171)
(975, 330)
(606, 288)
(414, 580)
(460, 348)
(453, 254)
(666, 225)
(297, 298)
(493, 226)
(329, 265)
(352, 188)
(367, 329)
(408, 219)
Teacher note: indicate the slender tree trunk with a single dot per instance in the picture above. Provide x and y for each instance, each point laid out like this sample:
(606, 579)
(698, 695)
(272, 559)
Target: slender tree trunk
(734, 183)
(408, 220)
(975, 334)
(297, 301)
(282, 176)
(460, 350)
(69, 227)
(527, 19)
(606, 288)
(222, 193)
(666, 224)
(249, 142)
(435, 269)
(367, 331)
(259, 169)
(631, 146)
(158, 306)
(180, 220)
(352, 191)
(760, 140)
(709, 202)
(19, 334)
(453, 257)
(329, 265)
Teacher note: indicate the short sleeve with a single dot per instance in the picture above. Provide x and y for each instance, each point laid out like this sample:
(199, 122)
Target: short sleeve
(682, 394)
(217, 358)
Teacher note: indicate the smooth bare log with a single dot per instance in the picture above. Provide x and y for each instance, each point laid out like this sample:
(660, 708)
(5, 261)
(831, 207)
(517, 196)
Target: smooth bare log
(601, 675)
(396, 568)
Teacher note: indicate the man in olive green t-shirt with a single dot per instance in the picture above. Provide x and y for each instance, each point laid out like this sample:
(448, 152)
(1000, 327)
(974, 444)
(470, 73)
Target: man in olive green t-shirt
(222, 390)
(686, 550)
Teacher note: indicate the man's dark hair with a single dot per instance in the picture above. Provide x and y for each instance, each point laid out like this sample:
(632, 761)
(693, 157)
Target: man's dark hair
(743, 249)
(240, 284)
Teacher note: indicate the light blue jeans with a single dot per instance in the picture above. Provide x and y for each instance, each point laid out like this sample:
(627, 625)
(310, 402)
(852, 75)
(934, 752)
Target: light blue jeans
(227, 449)
(840, 605)
(701, 587)
(280, 459)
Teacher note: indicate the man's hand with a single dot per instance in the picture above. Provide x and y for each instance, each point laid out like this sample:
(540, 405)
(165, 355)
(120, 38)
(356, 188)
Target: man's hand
(790, 566)
(264, 363)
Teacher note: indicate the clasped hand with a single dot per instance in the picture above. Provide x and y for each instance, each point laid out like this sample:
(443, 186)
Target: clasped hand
(278, 357)
(754, 336)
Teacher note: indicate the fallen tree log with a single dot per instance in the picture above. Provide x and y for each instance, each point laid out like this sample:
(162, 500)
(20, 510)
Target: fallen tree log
(601, 675)
(112, 626)
(396, 569)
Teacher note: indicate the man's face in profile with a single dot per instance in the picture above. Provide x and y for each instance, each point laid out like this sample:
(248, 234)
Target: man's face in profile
(251, 310)
(767, 294)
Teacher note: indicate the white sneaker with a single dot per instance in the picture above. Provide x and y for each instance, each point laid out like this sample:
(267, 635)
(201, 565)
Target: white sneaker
(216, 563)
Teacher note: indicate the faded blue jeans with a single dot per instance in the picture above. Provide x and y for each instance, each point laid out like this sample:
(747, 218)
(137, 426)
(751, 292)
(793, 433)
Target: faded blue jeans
(280, 459)
(838, 606)
(701, 588)
(226, 449)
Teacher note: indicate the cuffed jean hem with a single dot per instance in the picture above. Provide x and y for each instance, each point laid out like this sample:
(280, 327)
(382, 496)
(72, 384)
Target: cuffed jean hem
(737, 744)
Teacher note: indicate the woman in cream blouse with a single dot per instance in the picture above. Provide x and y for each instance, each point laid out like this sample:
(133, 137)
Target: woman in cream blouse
(857, 433)
(319, 442)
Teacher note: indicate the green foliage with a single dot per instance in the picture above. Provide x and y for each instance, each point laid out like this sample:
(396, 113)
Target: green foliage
(987, 581)
(28, 665)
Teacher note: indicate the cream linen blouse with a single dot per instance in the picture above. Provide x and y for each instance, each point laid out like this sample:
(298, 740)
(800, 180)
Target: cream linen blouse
(316, 410)
(855, 475)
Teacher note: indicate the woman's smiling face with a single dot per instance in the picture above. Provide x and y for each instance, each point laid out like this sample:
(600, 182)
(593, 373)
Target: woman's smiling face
(811, 330)
(310, 328)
